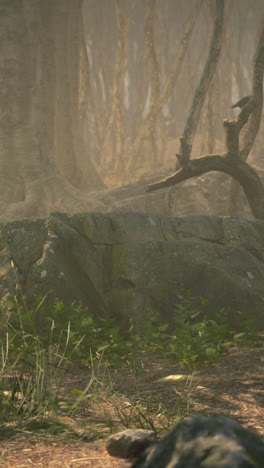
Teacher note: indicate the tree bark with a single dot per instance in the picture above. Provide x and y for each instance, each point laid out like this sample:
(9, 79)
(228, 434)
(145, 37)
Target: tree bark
(199, 97)
(42, 152)
(255, 119)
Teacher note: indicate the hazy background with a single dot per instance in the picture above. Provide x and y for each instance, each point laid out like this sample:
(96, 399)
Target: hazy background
(131, 49)
(95, 94)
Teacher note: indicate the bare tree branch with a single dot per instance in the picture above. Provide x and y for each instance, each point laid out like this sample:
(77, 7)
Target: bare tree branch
(228, 162)
(199, 97)
(164, 93)
(236, 168)
(257, 88)
(231, 161)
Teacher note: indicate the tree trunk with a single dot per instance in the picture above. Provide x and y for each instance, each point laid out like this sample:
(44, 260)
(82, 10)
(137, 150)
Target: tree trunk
(164, 93)
(42, 155)
(235, 188)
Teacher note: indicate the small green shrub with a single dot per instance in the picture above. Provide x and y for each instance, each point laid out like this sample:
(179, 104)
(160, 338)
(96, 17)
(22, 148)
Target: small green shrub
(196, 343)
(195, 339)
(100, 337)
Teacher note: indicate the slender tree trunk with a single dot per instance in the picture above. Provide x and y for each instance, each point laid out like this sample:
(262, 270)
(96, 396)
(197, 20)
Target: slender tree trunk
(235, 187)
(161, 100)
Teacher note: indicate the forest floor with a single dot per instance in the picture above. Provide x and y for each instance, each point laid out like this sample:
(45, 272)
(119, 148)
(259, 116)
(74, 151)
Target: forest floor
(234, 387)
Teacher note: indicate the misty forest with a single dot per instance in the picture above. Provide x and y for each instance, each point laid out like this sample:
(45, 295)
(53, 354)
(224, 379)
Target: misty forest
(98, 95)
(131, 233)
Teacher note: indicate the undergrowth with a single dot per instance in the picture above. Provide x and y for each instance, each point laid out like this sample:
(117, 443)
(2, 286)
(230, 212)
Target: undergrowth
(30, 359)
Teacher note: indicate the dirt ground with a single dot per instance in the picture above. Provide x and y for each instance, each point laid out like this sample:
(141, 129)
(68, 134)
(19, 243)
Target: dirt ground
(234, 388)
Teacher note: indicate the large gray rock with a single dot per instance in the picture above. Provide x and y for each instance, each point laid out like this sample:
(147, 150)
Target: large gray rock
(205, 443)
(125, 264)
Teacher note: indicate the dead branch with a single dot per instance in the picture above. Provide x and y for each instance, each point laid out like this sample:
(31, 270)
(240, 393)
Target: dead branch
(228, 162)
(192, 121)
(231, 161)
(257, 88)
